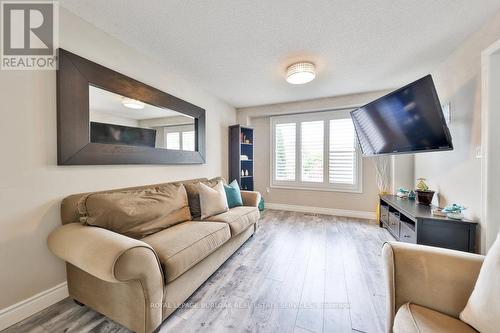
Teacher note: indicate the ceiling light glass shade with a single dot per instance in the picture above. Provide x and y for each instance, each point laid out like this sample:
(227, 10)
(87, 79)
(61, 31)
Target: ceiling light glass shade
(132, 103)
(300, 73)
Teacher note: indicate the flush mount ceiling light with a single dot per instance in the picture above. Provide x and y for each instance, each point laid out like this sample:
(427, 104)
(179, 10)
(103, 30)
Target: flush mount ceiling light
(132, 103)
(300, 73)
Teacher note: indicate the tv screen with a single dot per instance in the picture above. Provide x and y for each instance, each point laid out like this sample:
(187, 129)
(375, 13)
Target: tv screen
(122, 135)
(408, 120)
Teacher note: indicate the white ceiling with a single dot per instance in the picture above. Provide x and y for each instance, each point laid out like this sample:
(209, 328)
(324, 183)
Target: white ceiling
(239, 49)
(106, 102)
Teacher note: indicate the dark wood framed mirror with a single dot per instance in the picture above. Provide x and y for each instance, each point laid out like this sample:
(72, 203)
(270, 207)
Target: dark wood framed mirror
(104, 117)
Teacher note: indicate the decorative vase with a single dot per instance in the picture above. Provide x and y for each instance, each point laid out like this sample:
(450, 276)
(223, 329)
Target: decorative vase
(412, 195)
(424, 197)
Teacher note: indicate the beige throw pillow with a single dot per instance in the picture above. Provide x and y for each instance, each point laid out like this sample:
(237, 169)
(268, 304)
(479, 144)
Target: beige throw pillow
(483, 308)
(213, 200)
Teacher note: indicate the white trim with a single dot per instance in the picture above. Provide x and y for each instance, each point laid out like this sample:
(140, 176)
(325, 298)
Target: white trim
(317, 188)
(22, 310)
(322, 210)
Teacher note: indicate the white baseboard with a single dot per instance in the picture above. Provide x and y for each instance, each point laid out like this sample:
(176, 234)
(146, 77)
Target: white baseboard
(321, 210)
(22, 310)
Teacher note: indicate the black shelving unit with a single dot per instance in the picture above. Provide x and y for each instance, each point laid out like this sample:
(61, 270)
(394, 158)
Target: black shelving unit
(241, 141)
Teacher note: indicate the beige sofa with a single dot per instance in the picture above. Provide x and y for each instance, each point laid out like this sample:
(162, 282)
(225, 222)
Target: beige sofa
(428, 287)
(139, 283)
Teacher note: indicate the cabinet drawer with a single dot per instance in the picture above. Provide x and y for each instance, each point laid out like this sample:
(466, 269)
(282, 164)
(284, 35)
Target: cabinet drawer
(394, 223)
(408, 234)
(384, 214)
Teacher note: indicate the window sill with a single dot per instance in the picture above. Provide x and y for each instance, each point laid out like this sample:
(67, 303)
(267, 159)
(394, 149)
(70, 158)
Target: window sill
(322, 189)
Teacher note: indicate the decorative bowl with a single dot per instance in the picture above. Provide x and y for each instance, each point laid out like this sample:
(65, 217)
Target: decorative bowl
(455, 215)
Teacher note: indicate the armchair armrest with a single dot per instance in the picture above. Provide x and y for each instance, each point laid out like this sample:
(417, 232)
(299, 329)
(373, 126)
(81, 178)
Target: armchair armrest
(433, 277)
(107, 255)
(250, 198)
(114, 258)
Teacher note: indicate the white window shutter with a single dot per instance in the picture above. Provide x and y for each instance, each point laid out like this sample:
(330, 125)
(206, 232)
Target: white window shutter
(173, 141)
(188, 140)
(285, 138)
(342, 152)
(312, 141)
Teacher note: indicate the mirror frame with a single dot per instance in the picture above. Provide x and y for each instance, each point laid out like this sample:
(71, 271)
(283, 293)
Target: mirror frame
(74, 76)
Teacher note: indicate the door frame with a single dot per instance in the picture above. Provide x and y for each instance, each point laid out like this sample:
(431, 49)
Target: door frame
(487, 238)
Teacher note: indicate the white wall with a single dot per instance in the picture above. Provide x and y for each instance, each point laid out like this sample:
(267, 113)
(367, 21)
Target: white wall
(457, 174)
(166, 121)
(402, 172)
(32, 185)
(245, 115)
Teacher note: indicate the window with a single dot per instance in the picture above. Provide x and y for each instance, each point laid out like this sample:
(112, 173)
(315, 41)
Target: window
(316, 151)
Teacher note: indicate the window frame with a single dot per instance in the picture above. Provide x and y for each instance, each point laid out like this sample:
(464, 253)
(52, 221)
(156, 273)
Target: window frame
(298, 184)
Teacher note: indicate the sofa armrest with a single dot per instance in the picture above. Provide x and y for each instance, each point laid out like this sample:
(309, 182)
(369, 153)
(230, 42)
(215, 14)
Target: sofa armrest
(250, 198)
(436, 278)
(107, 255)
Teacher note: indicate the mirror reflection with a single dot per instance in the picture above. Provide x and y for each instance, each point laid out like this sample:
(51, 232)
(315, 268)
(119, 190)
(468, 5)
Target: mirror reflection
(116, 119)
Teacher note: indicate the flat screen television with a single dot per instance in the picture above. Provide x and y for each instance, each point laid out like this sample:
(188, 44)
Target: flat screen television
(122, 135)
(408, 120)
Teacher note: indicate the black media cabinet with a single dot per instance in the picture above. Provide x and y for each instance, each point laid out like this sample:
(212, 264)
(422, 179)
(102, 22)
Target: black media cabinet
(411, 222)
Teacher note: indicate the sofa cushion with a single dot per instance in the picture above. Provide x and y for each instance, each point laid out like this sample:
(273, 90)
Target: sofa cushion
(412, 318)
(69, 205)
(184, 245)
(238, 218)
(193, 193)
(483, 307)
(136, 213)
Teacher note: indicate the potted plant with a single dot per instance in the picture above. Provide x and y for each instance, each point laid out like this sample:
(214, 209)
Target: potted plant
(424, 195)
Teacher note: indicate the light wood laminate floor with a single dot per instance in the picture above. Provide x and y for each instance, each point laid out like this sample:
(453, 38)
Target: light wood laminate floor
(299, 273)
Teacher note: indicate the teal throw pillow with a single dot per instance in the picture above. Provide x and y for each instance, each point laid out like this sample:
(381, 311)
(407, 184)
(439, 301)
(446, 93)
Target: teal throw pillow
(233, 194)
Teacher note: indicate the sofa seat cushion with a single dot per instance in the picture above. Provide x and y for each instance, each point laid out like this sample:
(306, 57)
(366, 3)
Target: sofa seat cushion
(238, 218)
(412, 318)
(184, 245)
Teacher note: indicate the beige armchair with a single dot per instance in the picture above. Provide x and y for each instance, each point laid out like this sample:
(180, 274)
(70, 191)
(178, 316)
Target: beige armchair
(428, 287)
